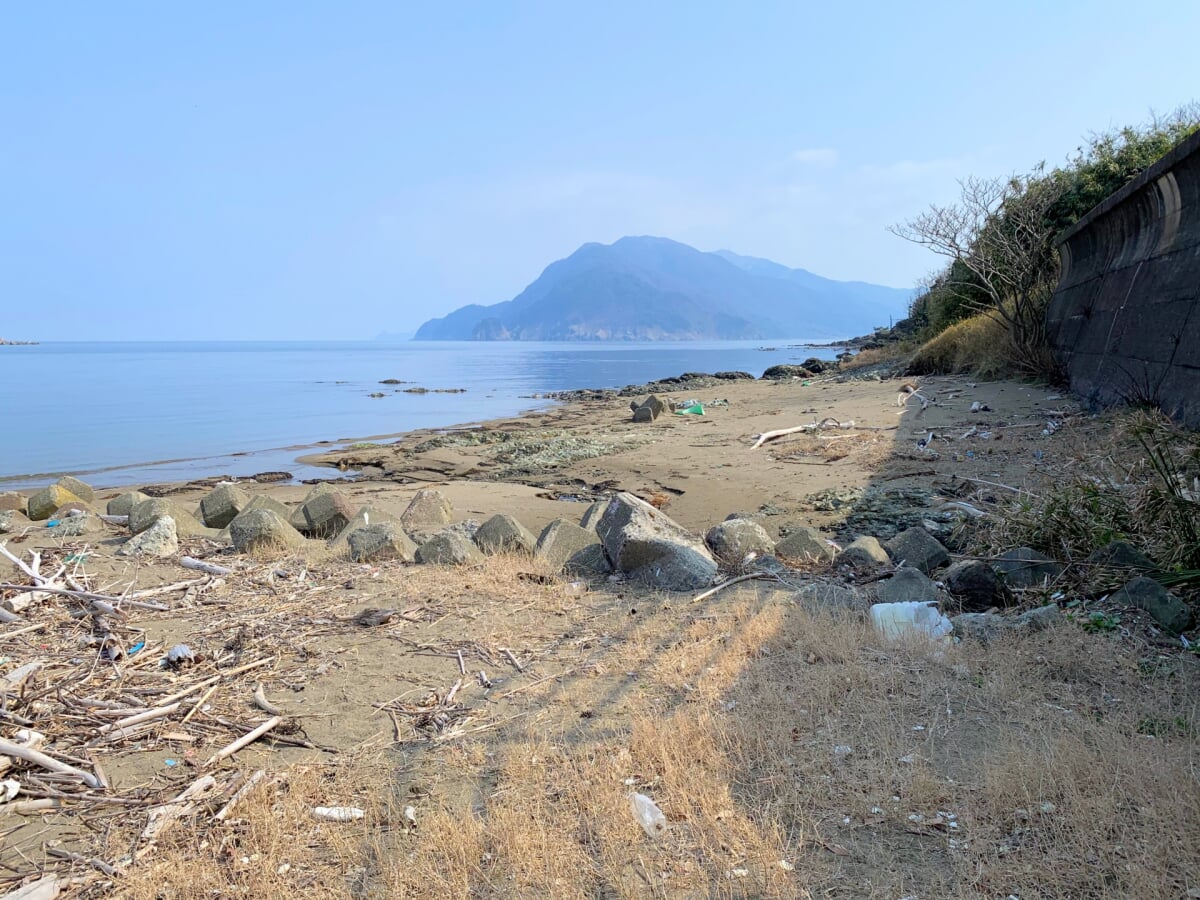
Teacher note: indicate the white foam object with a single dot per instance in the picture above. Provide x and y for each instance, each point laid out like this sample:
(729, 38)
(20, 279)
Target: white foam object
(647, 813)
(912, 617)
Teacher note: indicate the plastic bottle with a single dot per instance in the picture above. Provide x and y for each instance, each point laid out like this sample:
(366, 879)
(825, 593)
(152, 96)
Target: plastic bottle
(648, 815)
(913, 617)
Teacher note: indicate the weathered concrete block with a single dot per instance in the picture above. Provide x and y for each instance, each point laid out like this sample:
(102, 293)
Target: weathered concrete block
(146, 513)
(571, 548)
(366, 516)
(428, 509)
(222, 505)
(591, 515)
(158, 540)
(72, 526)
(80, 489)
(13, 500)
(652, 548)
(504, 534)
(916, 547)
(325, 515)
(383, 540)
(263, 531)
(732, 540)
(42, 505)
(123, 504)
(12, 521)
(449, 549)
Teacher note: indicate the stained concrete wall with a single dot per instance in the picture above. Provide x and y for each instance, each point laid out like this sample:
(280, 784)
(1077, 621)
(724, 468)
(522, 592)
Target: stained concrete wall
(1125, 318)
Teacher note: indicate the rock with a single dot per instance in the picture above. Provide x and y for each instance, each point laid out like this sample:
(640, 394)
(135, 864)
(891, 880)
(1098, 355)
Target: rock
(222, 505)
(864, 553)
(731, 540)
(986, 627)
(78, 526)
(829, 595)
(649, 409)
(504, 534)
(907, 585)
(733, 376)
(326, 514)
(383, 540)
(428, 509)
(75, 508)
(1168, 610)
(263, 530)
(150, 511)
(465, 528)
(916, 547)
(158, 540)
(814, 365)
(13, 500)
(571, 548)
(785, 373)
(363, 518)
(768, 565)
(647, 544)
(1024, 567)
(449, 549)
(42, 505)
(262, 501)
(976, 586)
(804, 543)
(592, 514)
(1121, 555)
(123, 504)
(12, 520)
(80, 489)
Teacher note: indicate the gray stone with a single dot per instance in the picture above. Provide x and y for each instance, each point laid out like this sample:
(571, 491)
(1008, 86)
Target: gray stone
(591, 516)
(1168, 610)
(262, 501)
(907, 585)
(976, 586)
(13, 500)
(732, 540)
(466, 528)
(916, 547)
(326, 514)
(428, 509)
(263, 530)
(768, 565)
(649, 409)
(571, 548)
(366, 516)
(1024, 567)
(648, 545)
(830, 595)
(986, 627)
(12, 520)
(384, 540)
(150, 511)
(222, 505)
(864, 553)
(504, 534)
(804, 543)
(158, 540)
(1118, 555)
(123, 504)
(78, 526)
(42, 505)
(449, 549)
(80, 489)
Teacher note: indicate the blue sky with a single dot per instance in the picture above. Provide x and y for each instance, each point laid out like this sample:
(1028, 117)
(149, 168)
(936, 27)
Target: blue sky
(304, 170)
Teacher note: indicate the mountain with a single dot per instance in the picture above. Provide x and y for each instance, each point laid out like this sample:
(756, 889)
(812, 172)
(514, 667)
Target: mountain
(652, 288)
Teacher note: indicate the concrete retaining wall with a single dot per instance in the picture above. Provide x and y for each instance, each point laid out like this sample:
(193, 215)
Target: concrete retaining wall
(1124, 319)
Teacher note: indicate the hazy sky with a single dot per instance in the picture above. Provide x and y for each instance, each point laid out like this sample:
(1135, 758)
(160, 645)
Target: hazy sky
(306, 170)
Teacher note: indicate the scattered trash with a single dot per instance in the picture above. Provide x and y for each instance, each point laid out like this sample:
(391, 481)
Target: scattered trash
(170, 763)
(980, 407)
(53, 523)
(647, 813)
(339, 813)
(179, 655)
(696, 409)
(410, 816)
(898, 620)
(786, 866)
(140, 645)
(738, 873)
(10, 787)
(842, 750)
(575, 588)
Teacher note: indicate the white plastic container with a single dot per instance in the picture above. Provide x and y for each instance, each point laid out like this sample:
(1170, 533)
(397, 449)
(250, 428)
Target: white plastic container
(647, 813)
(896, 621)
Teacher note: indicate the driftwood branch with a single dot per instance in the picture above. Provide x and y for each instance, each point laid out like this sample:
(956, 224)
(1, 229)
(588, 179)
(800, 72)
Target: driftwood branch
(243, 741)
(189, 562)
(7, 748)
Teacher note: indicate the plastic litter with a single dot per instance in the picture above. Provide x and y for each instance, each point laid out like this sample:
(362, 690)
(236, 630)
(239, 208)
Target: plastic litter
(10, 787)
(913, 617)
(179, 655)
(647, 813)
(696, 409)
(338, 813)
(53, 523)
(140, 645)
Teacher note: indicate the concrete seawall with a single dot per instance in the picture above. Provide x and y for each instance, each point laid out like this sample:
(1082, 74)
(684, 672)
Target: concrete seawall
(1125, 318)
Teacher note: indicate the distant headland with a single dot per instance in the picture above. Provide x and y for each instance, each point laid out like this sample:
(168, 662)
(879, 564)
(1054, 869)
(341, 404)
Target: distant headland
(4, 343)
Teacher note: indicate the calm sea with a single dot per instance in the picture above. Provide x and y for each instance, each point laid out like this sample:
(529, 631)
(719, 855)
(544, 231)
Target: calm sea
(126, 413)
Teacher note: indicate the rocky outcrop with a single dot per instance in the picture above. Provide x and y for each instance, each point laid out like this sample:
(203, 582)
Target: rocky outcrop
(916, 547)
(571, 548)
(733, 540)
(650, 547)
(504, 534)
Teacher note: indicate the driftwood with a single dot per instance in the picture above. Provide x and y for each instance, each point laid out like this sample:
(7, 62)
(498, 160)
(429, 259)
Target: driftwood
(20, 751)
(261, 701)
(244, 741)
(753, 576)
(200, 566)
(164, 816)
(828, 422)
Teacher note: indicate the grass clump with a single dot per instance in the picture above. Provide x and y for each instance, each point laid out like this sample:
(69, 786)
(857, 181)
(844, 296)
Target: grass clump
(972, 345)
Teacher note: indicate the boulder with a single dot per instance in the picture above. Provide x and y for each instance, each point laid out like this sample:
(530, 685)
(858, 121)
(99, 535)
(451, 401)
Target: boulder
(731, 540)
(907, 585)
(80, 489)
(123, 504)
(649, 409)
(504, 534)
(365, 517)
(428, 509)
(13, 500)
(12, 520)
(383, 540)
(42, 505)
(325, 515)
(150, 511)
(222, 505)
(804, 543)
(78, 525)
(1121, 555)
(1168, 610)
(263, 530)
(465, 528)
(158, 540)
(262, 501)
(830, 595)
(814, 365)
(648, 545)
(1024, 567)
(591, 516)
(976, 586)
(450, 548)
(733, 376)
(571, 548)
(916, 547)
(986, 627)
(864, 553)
(785, 373)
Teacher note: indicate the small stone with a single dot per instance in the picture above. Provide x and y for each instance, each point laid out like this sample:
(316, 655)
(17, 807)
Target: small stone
(919, 549)
(1168, 610)
(985, 627)
(158, 540)
(263, 531)
(571, 548)
(13, 500)
(80, 489)
(907, 585)
(1024, 567)
(864, 553)
(502, 533)
(428, 509)
(384, 540)
(43, 504)
(449, 549)
(976, 586)
(123, 504)
(732, 540)
(804, 543)
(12, 520)
(222, 505)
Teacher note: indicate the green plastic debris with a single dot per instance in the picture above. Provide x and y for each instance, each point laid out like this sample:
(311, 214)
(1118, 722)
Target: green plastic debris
(696, 409)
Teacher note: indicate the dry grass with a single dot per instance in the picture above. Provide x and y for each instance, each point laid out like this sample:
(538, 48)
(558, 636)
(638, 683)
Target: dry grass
(977, 344)
(894, 351)
(1062, 765)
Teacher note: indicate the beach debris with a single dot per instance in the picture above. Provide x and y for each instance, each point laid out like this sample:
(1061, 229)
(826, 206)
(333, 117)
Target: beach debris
(261, 701)
(339, 813)
(693, 409)
(45, 888)
(896, 621)
(373, 617)
(647, 814)
(180, 655)
(200, 566)
(828, 422)
(652, 548)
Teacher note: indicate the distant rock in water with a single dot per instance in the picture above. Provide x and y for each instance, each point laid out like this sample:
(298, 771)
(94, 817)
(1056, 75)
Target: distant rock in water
(654, 289)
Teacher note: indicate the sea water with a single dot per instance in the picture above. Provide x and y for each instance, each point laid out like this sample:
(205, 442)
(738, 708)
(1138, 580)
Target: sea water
(127, 413)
